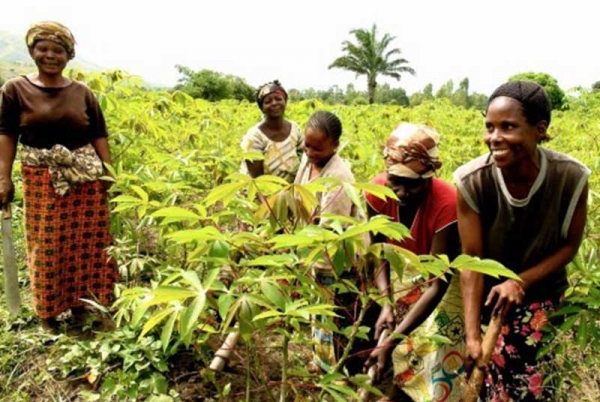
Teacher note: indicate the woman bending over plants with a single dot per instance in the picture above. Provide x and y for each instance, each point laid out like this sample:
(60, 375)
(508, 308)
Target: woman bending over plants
(424, 370)
(524, 206)
(277, 139)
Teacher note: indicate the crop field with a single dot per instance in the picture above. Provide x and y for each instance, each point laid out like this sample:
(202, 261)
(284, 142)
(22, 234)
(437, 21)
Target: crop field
(199, 257)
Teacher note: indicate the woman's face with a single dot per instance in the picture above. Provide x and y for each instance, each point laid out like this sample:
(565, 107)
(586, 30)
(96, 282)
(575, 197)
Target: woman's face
(408, 191)
(49, 57)
(273, 105)
(318, 147)
(509, 136)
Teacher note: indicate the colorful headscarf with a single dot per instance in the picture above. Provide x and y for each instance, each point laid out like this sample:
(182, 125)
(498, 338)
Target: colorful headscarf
(411, 151)
(52, 31)
(268, 89)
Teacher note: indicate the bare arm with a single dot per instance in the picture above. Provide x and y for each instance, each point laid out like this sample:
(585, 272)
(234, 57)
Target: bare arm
(382, 281)
(435, 292)
(255, 168)
(251, 141)
(508, 293)
(382, 273)
(8, 150)
(469, 228)
(566, 253)
(100, 144)
(443, 241)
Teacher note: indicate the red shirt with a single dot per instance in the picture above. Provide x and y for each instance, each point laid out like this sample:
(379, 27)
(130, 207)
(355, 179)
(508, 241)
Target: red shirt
(437, 211)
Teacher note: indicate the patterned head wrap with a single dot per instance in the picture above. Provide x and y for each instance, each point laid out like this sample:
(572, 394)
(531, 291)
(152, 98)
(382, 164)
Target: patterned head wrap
(52, 31)
(411, 151)
(268, 89)
(534, 99)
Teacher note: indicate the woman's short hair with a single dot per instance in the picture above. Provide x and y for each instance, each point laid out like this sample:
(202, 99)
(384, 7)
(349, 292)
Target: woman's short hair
(533, 98)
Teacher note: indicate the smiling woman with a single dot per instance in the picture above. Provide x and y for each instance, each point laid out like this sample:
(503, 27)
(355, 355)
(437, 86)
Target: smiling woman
(63, 136)
(278, 139)
(321, 160)
(524, 206)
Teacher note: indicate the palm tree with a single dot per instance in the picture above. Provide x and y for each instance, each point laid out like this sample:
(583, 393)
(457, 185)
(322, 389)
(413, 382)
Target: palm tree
(371, 57)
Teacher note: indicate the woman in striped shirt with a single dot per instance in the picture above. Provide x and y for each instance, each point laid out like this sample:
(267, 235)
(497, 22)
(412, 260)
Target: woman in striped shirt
(278, 139)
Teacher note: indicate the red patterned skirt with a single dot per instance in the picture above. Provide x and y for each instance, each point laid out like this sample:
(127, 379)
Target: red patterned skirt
(66, 241)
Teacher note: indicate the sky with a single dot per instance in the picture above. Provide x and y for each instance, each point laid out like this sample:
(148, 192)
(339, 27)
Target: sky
(295, 41)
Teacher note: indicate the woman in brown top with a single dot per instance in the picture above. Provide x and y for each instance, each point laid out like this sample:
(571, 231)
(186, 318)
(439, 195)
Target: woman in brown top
(64, 144)
(524, 206)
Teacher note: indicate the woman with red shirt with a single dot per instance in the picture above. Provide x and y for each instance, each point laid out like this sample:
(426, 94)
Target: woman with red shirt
(427, 206)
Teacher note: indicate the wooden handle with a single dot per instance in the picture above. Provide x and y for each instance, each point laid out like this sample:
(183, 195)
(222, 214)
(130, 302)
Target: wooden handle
(363, 394)
(473, 387)
(223, 354)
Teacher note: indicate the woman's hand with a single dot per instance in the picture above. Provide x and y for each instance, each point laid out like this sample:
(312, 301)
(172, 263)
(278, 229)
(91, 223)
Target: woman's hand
(508, 294)
(380, 359)
(473, 354)
(385, 320)
(7, 191)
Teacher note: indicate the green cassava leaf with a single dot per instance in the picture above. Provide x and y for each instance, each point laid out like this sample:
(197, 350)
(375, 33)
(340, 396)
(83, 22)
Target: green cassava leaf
(208, 233)
(381, 192)
(488, 267)
(175, 214)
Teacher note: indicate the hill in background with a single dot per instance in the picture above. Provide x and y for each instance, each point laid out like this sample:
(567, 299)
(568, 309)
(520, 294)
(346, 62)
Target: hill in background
(15, 60)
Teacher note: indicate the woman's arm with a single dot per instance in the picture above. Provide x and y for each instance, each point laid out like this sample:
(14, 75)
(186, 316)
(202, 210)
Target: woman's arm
(255, 168)
(100, 144)
(8, 150)
(509, 293)
(432, 296)
(382, 281)
(435, 292)
(254, 141)
(469, 228)
(442, 243)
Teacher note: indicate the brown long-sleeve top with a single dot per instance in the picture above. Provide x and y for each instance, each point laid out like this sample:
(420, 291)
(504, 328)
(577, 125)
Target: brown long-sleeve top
(43, 117)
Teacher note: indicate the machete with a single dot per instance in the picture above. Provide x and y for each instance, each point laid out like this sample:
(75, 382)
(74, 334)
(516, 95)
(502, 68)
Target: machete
(11, 278)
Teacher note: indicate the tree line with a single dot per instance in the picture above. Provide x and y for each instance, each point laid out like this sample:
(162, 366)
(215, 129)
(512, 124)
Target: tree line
(369, 55)
(214, 86)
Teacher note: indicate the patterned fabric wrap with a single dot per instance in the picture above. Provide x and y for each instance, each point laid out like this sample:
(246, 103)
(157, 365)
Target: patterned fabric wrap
(66, 241)
(268, 89)
(411, 151)
(52, 31)
(516, 373)
(66, 167)
(428, 369)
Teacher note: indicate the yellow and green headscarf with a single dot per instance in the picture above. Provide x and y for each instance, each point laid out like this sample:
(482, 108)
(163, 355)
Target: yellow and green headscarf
(52, 31)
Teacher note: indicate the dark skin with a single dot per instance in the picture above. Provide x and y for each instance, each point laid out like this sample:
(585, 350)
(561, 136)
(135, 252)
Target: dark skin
(410, 194)
(513, 143)
(275, 127)
(319, 148)
(51, 59)
(8, 150)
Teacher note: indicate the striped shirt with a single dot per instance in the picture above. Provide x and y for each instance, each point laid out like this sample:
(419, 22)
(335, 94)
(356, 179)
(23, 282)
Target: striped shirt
(282, 158)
